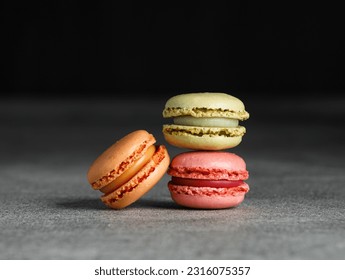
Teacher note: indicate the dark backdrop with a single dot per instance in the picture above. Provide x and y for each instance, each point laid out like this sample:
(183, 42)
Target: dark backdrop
(232, 46)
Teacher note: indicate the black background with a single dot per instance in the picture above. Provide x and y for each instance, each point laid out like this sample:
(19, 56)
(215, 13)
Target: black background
(170, 47)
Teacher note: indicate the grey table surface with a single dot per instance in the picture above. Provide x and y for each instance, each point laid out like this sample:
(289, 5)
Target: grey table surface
(294, 149)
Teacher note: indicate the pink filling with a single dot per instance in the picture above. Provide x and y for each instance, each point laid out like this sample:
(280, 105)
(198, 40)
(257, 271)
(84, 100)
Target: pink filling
(206, 183)
(206, 173)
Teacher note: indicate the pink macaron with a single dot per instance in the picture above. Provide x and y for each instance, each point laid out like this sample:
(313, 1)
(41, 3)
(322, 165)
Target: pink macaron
(208, 179)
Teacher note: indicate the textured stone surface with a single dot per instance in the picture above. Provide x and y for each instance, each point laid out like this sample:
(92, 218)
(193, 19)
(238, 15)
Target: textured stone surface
(295, 209)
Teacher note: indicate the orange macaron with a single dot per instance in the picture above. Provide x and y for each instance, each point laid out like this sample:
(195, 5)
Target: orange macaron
(128, 169)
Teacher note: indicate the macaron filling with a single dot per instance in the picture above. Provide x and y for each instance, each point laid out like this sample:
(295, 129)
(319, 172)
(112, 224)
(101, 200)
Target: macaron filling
(205, 121)
(129, 173)
(206, 183)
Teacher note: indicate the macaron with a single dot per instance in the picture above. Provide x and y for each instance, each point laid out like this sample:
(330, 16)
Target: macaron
(128, 169)
(204, 121)
(208, 179)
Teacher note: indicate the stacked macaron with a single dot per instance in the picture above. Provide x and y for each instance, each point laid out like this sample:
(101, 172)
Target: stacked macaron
(207, 123)
(207, 177)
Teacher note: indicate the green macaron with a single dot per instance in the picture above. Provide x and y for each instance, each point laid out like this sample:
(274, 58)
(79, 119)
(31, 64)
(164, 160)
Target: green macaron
(204, 121)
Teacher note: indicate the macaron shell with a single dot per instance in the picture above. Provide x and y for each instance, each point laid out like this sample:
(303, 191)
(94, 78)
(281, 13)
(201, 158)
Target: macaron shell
(205, 104)
(204, 130)
(203, 138)
(205, 163)
(118, 158)
(208, 198)
(204, 202)
(210, 165)
(141, 183)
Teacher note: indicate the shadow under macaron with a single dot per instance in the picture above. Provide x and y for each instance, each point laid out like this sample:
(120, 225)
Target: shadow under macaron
(144, 203)
(152, 203)
(97, 204)
(82, 204)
